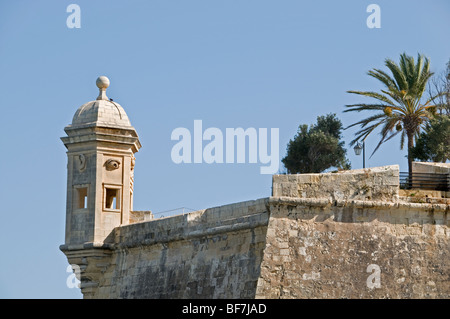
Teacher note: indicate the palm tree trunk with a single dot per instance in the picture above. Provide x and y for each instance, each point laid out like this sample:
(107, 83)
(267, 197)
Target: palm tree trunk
(410, 136)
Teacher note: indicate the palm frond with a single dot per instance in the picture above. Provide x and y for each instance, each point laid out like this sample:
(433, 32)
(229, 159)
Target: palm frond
(387, 128)
(395, 95)
(422, 82)
(366, 121)
(419, 69)
(400, 78)
(383, 77)
(434, 97)
(365, 107)
(374, 95)
(362, 134)
(408, 69)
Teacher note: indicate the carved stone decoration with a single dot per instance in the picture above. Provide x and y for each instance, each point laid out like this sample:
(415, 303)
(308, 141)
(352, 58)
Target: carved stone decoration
(133, 162)
(81, 162)
(112, 164)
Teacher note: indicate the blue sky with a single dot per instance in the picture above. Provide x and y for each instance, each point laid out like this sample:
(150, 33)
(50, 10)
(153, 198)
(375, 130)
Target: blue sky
(252, 63)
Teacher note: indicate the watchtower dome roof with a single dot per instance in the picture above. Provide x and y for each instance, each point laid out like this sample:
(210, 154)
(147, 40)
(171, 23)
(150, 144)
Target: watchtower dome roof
(102, 111)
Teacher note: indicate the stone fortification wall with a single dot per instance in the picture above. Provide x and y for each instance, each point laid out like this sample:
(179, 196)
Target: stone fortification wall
(334, 235)
(339, 249)
(213, 253)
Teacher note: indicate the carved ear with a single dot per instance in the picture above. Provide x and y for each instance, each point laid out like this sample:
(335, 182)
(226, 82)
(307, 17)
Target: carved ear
(112, 164)
(81, 162)
(133, 162)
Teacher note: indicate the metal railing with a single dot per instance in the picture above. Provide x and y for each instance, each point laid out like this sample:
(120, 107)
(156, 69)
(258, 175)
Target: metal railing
(428, 181)
(173, 212)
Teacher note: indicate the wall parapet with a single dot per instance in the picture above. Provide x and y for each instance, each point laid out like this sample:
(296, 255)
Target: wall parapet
(138, 216)
(431, 167)
(208, 222)
(377, 183)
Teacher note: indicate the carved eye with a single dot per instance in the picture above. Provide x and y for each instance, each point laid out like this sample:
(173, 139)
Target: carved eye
(112, 164)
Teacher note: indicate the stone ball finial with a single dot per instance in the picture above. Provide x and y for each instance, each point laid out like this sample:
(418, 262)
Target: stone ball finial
(102, 82)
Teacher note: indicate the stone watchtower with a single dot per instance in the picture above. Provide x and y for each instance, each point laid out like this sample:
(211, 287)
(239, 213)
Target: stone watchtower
(100, 149)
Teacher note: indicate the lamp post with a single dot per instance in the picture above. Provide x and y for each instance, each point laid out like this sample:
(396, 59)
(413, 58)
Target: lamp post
(361, 147)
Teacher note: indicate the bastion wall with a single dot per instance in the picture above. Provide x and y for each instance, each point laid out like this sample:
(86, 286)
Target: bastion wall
(333, 235)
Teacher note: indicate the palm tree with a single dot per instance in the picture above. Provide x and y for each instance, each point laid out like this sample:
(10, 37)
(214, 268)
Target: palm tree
(399, 105)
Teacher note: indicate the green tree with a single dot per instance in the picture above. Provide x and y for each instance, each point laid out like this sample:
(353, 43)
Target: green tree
(433, 143)
(317, 148)
(399, 106)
